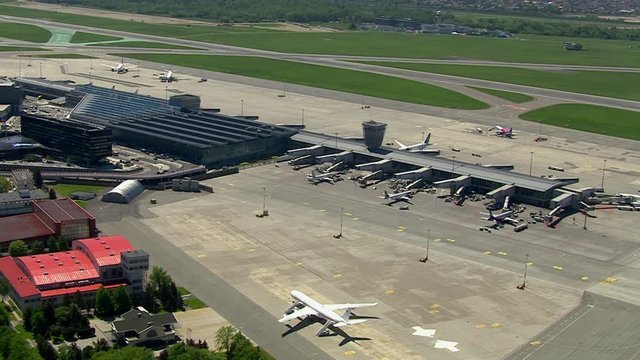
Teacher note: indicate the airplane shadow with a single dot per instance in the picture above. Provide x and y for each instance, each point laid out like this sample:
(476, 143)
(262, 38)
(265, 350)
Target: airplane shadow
(334, 331)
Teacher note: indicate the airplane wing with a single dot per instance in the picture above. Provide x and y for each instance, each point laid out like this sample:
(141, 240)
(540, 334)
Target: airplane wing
(334, 307)
(426, 151)
(510, 220)
(305, 311)
(399, 143)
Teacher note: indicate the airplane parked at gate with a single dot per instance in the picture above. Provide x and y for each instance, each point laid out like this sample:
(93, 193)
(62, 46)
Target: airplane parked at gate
(317, 178)
(503, 131)
(120, 68)
(304, 306)
(419, 147)
(502, 218)
(168, 76)
(401, 196)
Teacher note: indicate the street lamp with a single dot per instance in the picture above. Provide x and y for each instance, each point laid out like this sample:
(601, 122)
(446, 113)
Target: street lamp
(336, 141)
(426, 256)
(241, 107)
(302, 117)
(339, 235)
(604, 166)
(264, 200)
(524, 280)
(531, 163)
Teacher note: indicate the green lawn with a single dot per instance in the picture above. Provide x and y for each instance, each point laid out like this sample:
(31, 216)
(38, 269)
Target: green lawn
(59, 56)
(147, 44)
(507, 95)
(357, 82)
(67, 189)
(18, 48)
(591, 118)
(529, 48)
(623, 85)
(192, 302)
(24, 32)
(84, 37)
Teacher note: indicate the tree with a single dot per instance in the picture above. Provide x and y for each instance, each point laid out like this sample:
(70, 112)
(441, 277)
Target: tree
(149, 299)
(158, 277)
(5, 184)
(26, 318)
(39, 324)
(37, 178)
(52, 244)
(241, 348)
(37, 247)
(4, 316)
(103, 302)
(224, 338)
(69, 352)
(137, 353)
(121, 300)
(63, 244)
(4, 287)
(52, 194)
(45, 348)
(18, 248)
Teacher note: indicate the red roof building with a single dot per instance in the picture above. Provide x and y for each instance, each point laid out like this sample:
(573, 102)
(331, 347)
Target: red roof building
(108, 261)
(49, 218)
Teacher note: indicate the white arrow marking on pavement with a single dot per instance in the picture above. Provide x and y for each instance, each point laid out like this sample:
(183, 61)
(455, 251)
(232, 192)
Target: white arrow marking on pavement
(419, 331)
(449, 345)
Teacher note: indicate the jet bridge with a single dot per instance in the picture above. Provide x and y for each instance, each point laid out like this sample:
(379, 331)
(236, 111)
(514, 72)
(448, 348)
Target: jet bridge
(345, 156)
(419, 174)
(385, 165)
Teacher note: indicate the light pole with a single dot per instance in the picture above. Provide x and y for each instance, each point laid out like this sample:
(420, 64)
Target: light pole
(423, 136)
(524, 280)
(531, 163)
(604, 166)
(241, 107)
(426, 256)
(302, 117)
(453, 164)
(585, 219)
(336, 141)
(339, 235)
(40, 70)
(264, 200)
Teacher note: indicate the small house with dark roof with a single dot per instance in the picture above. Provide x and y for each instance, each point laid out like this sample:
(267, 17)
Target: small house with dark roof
(137, 327)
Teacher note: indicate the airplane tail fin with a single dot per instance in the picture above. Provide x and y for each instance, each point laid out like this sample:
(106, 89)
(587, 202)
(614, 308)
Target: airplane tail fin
(386, 194)
(427, 139)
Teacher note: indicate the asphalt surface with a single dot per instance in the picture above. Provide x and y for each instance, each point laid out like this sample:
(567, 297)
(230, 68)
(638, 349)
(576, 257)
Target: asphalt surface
(599, 328)
(235, 307)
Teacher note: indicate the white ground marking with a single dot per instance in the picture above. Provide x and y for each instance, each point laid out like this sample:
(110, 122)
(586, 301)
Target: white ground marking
(420, 331)
(444, 344)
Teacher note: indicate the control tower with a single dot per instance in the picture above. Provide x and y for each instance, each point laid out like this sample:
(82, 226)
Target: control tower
(373, 133)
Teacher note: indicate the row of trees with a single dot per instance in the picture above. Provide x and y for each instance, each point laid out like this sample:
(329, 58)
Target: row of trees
(12, 345)
(53, 244)
(63, 322)
(115, 302)
(547, 27)
(161, 292)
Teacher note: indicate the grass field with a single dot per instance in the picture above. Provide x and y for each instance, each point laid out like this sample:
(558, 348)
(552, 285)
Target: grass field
(530, 48)
(147, 45)
(18, 48)
(357, 82)
(507, 95)
(84, 37)
(192, 302)
(67, 189)
(24, 32)
(59, 56)
(591, 118)
(622, 85)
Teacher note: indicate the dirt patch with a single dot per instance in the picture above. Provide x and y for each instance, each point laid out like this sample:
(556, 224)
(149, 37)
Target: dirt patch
(628, 19)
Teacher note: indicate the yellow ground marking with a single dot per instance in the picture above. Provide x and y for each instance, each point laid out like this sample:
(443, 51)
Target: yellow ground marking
(435, 306)
(355, 219)
(481, 326)
(608, 281)
(305, 203)
(399, 230)
(584, 278)
(535, 343)
(237, 247)
(389, 292)
(434, 311)
(502, 253)
(402, 227)
(487, 252)
(323, 210)
(349, 352)
(230, 184)
(348, 214)
(496, 325)
(419, 126)
(201, 255)
(451, 240)
(299, 264)
(557, 267)
(529, 263)
(251, 250)
(337, 275)
(437, 240)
